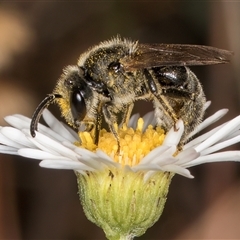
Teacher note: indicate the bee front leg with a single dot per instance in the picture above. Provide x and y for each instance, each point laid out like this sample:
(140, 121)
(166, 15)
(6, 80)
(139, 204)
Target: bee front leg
(93, 127)
(110, 113)
(111, 120)
(92, 123)
(97, 123)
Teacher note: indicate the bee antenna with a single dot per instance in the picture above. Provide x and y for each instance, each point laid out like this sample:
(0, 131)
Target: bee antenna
(38, 112)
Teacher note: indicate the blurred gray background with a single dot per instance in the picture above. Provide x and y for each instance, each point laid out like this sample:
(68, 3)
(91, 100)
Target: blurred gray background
(38, 39)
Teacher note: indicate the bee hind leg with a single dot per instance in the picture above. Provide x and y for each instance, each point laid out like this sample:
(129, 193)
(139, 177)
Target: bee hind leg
(159, 97)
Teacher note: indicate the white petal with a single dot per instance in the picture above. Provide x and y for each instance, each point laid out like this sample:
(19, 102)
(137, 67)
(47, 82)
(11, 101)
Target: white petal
(57, 126)
(84, 152)
(64, 164)
(201, 138)
(158, 152)
(177, 169)
(89, 158)
(233, 124)
(208, 121)
(55, 146)
(168, 168)
(162, 161)
(174, 135)
(147, 167)
(16, 136)
(49, 132)
(187, 156)
(221, 145)
(38, 154)
(72, 132)
(8, 142)
(232, 135)
(133, 121)
(148, 174)
(42, 147)
(106, 159)
(8, 150)
(149, 119)
(206, 105)
(215, 157)
(96, 164)
(42, 129)
(18, 121)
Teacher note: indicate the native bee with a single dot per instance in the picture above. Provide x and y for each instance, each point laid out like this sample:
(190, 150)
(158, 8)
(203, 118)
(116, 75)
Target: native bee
(111, 76)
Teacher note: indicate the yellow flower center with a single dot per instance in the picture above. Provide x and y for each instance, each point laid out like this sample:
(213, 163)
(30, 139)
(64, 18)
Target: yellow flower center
(134, 144)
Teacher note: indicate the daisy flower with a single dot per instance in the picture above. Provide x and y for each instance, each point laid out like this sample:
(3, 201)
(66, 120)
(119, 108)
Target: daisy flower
(122, 190)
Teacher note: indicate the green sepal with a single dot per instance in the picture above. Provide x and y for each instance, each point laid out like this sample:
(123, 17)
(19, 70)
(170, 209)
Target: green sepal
(123, 203)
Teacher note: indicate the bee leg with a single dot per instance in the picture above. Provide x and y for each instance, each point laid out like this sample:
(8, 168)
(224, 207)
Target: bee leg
(159, 98)
(93, 127)
(181, 95)
(126, 114)
(97, 127)
(167, 107)
(97, 124)
(92, 124)
(111, 120)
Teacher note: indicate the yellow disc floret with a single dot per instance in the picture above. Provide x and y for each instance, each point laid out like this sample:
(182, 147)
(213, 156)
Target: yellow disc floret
(134, 144)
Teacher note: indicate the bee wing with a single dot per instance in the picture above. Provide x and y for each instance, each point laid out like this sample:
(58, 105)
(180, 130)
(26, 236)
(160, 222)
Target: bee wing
(154, 55)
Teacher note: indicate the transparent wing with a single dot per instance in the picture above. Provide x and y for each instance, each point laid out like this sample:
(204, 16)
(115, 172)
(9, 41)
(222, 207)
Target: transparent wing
(153, 55)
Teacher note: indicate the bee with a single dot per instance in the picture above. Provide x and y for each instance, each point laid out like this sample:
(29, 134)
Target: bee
(111, 76)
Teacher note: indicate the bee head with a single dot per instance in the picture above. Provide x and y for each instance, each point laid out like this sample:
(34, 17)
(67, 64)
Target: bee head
(73, 96)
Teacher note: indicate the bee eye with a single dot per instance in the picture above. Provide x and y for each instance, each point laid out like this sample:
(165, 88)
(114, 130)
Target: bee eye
(78, 105)
(115, 66)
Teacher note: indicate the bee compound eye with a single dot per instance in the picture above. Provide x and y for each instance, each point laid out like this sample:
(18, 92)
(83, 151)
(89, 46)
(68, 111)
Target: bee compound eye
(78, 105)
